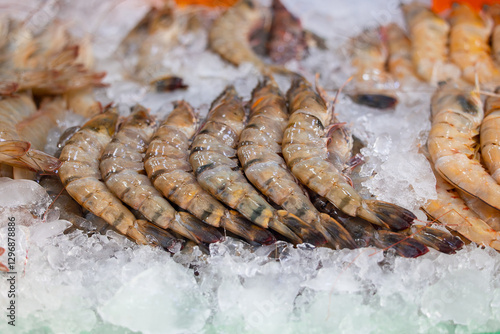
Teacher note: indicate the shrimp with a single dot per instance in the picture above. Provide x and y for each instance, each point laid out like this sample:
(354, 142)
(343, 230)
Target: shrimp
(452, 212)
(80, 174)
(490, 136)
(15, 150)
(167, 165)
(122, 170)
(369, 56)
(429, 37)
(366, 235)
(258, 152)
(211, 154)
(456, 117)
(494, 12)
(306, 155)
(469, 49)
(399, 64)
(230, 33)
(488, 214)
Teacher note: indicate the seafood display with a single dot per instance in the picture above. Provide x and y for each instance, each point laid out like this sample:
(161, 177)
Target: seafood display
(260, 168)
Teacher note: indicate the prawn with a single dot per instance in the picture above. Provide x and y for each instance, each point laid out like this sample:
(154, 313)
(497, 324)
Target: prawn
(211, 158)
(429, 40)
(399, 63)
(494, 12)
(259, 153)
(229, 36)
(306, 155)
(14, 149)
(122, 170)
(469, 49)
(456, 117)
(490, 136)
(450, 210)
(167, 165)
(81, 177)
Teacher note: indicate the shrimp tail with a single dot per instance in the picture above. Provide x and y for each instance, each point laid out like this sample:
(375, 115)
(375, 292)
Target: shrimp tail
(40, 161)
(403, 245)
(159, 237)
(375, 100)
(237, 224)
(338, 237)
(387, 215)
(14, 148)
(293, 228)
(194, 229)
(443, 241)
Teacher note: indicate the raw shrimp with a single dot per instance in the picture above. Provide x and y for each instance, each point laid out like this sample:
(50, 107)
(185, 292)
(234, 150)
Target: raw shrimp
(469, 49)
(230, 33)
(211, 158)
(259, 153)
(456, 117)
(372, 81)
(14, 149)
(305, 152)
(80, 174)
(452, 212)
(488, 214)
(122, 170)
(429, 39)
(490, 136)
(167, 165)
(399, 64)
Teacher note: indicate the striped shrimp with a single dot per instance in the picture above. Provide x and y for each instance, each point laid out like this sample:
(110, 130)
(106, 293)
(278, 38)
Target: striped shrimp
(456, 117)
(306, 155)
(369, 56)
(429, 37)
(167, 165)
(211, 158)
(490, 136)
(450, 210)
(122, 170)
(469, 49)
(80, 174)
(15, 150)
(259, 153)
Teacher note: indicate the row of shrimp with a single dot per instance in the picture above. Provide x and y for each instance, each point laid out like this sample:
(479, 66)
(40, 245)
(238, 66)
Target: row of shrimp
(463, 145)
(271, 174)
(436, 49)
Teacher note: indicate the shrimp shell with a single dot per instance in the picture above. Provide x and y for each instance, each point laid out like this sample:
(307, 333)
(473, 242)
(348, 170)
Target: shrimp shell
(494, 12)
(399, 45)
(167, 165)
(456, 117)
(80, 174)
(122, 170)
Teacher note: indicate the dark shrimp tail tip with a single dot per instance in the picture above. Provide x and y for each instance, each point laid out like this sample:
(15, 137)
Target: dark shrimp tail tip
(338, 237)
(394, 216)
(300, 229)
(377, 101)
(194, 229)
(243, 228)
(403, 245)
(440, 240)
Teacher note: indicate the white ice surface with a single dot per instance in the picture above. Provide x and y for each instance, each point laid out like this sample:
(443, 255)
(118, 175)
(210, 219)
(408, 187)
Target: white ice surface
(71, 283)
